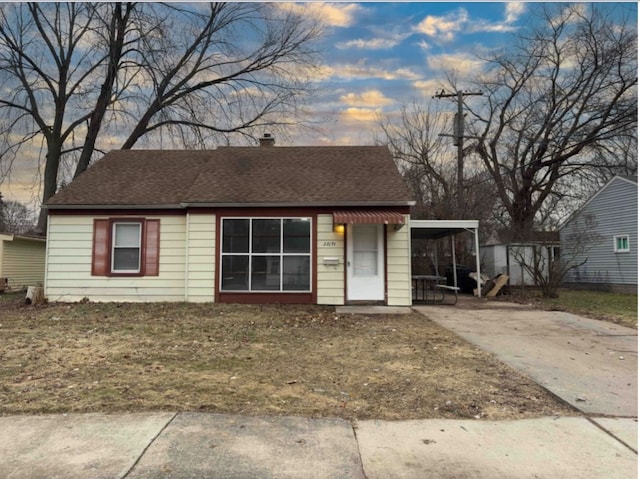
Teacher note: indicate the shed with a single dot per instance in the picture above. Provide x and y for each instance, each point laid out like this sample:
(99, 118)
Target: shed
(22, 260)
(501, 255)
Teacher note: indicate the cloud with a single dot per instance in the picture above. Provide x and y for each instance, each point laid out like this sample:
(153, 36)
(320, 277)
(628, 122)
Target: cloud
(460, 63)
(369, 98)
(424, 45)
(383, 40)
(513, 11)
(361, 114)
(428, 87)
(371, 44)
(331, 14)
(362, 71)
(443, 27)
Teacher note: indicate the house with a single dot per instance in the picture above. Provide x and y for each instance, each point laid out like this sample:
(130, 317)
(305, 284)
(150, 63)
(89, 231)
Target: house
(502, 255)
(22, 260)
(602, 237)
(314, 225)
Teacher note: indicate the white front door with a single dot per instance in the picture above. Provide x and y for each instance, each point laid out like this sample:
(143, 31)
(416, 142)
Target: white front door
(365, 262)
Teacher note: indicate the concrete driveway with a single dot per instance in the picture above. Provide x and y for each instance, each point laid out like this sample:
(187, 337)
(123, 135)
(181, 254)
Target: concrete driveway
(590, 364)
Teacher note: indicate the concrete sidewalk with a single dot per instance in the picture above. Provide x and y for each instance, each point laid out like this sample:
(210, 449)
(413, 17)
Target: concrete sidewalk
(190, 445)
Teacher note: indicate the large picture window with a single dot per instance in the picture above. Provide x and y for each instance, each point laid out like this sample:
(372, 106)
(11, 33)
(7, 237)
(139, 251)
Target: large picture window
(266, 254)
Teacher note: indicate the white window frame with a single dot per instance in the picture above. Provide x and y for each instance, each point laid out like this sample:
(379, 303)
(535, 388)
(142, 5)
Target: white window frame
(281, 254)
(615, 244)
(114, 247)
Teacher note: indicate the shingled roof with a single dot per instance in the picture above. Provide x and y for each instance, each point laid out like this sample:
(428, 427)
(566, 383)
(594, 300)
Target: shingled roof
(235, 176)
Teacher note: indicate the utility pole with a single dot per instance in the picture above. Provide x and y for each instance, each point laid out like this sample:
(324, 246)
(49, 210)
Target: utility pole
(458, 137)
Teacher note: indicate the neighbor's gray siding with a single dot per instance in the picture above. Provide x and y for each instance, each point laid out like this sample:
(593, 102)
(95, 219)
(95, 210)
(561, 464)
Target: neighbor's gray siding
(614, 211)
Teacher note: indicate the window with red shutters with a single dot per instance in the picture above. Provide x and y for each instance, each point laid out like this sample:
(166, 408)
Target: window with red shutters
(126, 247)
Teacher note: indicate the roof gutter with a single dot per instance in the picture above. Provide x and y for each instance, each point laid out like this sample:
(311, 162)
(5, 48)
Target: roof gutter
(114, 207)
(312, 204)
(233, 205)
(14, 236)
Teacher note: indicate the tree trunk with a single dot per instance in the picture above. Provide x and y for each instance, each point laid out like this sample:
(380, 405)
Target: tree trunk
(117, 35)
(50, 184)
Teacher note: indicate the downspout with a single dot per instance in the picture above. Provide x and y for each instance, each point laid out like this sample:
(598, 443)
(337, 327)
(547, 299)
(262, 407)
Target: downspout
(410, 269)
(475, 232)
(508, 273)
(186, 258)
(46, 259)
(455, 266)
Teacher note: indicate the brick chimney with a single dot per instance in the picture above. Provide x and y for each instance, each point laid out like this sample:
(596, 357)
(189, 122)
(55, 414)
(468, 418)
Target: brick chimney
(267, 140)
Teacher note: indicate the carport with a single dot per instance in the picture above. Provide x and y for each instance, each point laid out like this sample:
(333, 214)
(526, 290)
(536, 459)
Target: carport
(437, 229)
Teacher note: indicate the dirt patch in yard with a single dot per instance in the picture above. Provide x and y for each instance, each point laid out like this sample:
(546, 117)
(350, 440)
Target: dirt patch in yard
(255, 360)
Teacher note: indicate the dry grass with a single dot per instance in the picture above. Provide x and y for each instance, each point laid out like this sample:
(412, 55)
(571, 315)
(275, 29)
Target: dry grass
(306, 361)
(606, 306)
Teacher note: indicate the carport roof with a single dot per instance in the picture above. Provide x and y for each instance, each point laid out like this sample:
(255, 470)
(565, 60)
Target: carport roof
(434, 229)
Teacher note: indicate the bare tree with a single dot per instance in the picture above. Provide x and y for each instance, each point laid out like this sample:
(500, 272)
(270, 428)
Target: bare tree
(78, 78)
(556, 104)
(429, 164)
(17, 218)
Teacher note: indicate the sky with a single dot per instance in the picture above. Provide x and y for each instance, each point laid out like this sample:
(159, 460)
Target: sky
(378, 56)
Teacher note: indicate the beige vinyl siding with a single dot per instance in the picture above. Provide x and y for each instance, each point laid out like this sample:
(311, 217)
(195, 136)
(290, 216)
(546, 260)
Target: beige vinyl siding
(399, 265)
(201, 257)
(68, 274)
(330, 288)
(22, 261)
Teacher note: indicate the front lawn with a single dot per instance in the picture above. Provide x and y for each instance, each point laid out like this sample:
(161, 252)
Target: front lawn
(287, 360)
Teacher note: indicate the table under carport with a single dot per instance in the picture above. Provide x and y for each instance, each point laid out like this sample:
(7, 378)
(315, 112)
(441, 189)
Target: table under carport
(438, 229)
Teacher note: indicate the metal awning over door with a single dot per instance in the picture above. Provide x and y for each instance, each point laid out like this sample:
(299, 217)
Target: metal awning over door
(350, 217)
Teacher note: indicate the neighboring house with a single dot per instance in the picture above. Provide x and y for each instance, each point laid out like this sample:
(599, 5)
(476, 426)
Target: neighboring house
(22, 260)
(317, 225)
(603, 234)
(501, 255)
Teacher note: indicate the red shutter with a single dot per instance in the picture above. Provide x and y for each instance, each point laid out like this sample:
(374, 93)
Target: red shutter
(100, 255)
(152, 247)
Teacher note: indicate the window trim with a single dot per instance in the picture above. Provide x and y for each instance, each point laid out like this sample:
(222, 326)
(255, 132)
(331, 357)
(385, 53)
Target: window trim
(615, 244)
(281, 254)
(113, 225)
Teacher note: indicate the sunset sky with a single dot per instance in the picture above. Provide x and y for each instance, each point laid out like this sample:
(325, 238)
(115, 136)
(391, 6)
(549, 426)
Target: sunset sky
(381, 55)
(377, 57)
